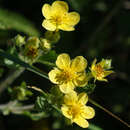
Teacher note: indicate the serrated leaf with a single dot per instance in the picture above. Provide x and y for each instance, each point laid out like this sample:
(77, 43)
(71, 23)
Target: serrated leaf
(42, 104)
(10, 20)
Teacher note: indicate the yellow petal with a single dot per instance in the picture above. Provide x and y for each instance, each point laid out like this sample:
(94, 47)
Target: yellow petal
(48, 25)
(60, 7)
(63, 61)
(72, 18)
(66, 27)
(106, 73)
(65, 111)
(93, 64)
(102, 63)
(88, 112)
(82, 80)
(82, 98)
(79, 64)
(71, 98)
(46, 11)
(81, 122)
(53, 74)
(67, 88)
(101, 79)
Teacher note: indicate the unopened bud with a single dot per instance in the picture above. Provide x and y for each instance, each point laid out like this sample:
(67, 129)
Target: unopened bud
(19, 40)
(45, 45)
(33, 41)
(53, 37)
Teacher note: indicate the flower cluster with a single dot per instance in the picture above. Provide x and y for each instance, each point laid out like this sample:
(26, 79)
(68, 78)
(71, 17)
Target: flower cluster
(68, 74)
(73, 78)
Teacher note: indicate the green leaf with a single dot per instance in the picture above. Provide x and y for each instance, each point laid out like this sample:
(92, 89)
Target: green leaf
(50, 56)
(56, 96)
(10, 20)
(20, 92)
(23, 64)
(89, 88)
(42, 104)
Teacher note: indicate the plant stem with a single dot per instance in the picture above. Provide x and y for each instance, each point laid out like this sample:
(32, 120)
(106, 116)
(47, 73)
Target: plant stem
(108, 112)
(38, 72)
(10, 78)
(13, 107)
(46, 63)
(46, 96)
(23, 64)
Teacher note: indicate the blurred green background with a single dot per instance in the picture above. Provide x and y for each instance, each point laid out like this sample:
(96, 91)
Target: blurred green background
(103, 32)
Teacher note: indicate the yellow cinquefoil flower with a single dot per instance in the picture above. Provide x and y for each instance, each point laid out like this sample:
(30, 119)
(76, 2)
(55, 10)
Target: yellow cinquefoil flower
(75, 109)
(101, 69)
(69, 73)
(57, 17)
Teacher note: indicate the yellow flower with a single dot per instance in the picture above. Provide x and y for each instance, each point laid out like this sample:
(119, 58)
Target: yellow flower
(57, 17)
(69, 73)
(75, 109)
(100, 70)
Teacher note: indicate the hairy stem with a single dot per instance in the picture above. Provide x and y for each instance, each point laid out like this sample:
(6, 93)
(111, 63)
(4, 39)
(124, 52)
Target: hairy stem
(14, 107)
(46, 63)
(108, 112)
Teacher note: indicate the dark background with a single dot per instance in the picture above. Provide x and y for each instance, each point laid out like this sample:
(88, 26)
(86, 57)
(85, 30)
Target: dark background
(103, 32)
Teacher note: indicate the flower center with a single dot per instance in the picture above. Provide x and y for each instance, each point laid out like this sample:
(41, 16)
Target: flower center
(75, 110)
(65, 76)
(32, 52)
(56, 20)
(99, 71)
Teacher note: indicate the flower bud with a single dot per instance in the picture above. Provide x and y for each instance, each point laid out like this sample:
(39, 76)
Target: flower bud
(45, 45)
(107, 63)
(33, 41)
(53, 37)
(19, 40)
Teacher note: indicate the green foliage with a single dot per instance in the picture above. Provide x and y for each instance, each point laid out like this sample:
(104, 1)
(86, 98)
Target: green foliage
(89, 88)
(42, 104)
(21, 92)
(8, 62)
(56, 96)
(10, 20)
(50, 56)
(23, 64)
(53, 37)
